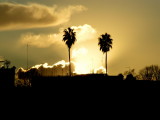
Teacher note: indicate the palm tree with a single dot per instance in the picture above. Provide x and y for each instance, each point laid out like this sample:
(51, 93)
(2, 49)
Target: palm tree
(69, 38)
(105, 43)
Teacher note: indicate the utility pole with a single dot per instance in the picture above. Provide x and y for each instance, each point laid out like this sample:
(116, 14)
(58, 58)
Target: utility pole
(27, 56)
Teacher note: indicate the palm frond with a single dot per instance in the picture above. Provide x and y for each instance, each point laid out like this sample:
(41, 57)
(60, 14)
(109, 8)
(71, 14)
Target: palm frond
(105, 42)
(69, 37)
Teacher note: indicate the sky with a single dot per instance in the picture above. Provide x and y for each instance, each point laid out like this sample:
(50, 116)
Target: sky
(133, 25)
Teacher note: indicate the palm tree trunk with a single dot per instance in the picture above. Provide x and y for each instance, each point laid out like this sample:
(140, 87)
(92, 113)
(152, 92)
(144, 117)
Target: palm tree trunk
(106, 63)
(69, 63)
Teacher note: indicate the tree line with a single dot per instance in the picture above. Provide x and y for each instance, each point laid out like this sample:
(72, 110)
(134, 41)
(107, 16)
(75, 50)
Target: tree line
(151, 72)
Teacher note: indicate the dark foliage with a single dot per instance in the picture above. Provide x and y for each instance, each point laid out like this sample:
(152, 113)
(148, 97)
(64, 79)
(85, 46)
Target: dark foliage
(105, 42)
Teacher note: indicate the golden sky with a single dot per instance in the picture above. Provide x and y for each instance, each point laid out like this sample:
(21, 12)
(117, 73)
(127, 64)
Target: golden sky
(133, 25)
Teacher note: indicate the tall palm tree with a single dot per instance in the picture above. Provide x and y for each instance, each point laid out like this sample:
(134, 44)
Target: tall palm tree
(69, 38)
(105, 43)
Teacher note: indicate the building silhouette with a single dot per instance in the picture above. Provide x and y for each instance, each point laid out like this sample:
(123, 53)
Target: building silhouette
(7, 77)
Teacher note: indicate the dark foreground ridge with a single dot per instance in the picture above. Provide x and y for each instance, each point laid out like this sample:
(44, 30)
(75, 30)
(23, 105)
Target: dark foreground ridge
(92, 82)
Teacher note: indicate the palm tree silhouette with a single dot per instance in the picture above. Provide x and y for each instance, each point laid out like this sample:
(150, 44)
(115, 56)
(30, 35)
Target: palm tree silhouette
(105, 43)
(69, 38)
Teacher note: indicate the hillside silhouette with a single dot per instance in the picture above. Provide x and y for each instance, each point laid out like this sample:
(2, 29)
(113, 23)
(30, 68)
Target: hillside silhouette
(80, 82)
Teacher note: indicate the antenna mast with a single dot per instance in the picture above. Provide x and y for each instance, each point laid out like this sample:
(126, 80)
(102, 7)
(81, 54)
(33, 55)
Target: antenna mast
(27, 56)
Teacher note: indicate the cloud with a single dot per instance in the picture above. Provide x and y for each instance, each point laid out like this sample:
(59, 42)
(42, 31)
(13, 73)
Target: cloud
(79, 52)
(20, 16)
(40, 40)
(58, 69)
(83, 33)
(100, 70)
(61, 63)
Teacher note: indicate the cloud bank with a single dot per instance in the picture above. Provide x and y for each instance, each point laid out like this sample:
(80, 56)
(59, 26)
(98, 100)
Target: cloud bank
(20, 16)
(58, 69)
(83, 33)
(40, 40)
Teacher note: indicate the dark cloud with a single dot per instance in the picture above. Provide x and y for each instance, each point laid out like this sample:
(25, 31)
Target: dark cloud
(19, 16)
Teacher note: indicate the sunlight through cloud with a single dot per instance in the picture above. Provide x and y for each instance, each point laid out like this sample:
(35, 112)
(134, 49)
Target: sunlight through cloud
(83, 33)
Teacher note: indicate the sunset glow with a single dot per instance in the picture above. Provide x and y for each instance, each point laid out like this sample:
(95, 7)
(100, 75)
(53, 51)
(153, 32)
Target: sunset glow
(82, 68)
(132, 24)
(82, 61)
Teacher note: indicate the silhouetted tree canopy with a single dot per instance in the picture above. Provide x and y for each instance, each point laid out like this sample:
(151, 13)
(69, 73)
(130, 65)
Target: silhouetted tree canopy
(150, 73)
(121, 77)
(105, 42)
(131, 71)
(69, 38)
(130, 77)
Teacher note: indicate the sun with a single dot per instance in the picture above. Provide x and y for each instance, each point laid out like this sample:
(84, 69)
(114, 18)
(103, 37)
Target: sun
(81, 61)
(82, 68)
